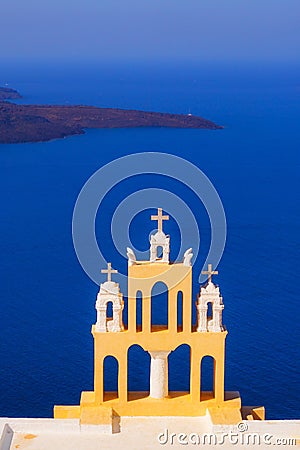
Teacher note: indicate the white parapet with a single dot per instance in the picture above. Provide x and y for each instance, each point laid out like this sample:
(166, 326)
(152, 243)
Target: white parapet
(157, 433)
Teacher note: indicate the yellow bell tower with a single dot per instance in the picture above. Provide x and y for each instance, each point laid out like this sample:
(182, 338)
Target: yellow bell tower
(112, 338)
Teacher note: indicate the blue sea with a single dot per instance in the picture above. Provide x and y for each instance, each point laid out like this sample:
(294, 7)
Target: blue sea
(48, 301)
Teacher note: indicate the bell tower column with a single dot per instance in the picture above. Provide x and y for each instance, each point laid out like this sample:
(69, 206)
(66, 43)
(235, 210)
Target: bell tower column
(159, 374)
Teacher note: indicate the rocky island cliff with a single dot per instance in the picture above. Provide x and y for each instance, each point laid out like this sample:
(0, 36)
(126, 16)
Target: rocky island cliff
(8, 93)
(35, 123)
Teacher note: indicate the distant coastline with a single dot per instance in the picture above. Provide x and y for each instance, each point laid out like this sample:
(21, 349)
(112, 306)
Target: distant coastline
(36, 123)
(8, 93)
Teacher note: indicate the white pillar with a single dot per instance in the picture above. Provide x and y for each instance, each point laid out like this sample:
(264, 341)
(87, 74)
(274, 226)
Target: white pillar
(159, 374)
(101, 318)
(202, 317)
(217, 317)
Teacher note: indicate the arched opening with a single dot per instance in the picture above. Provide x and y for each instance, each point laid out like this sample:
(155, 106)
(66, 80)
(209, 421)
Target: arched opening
(110, 375)
(139, 311)
(159, 306)
(125, 312)
(179, 311)
(109, 310)
(179, 369)
(159, 251)
(209, 310)
(138, 372)
(207, 375)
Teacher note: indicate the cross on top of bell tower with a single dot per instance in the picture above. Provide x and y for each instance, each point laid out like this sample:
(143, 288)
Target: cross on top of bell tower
(160, 218)
(109, 271)
(209, 272)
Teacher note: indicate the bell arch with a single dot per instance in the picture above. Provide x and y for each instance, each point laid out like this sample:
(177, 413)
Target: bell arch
(139, 311)
(159, 251)
(179, 361)
(179, 310)
(138, 375)
(110, 377)
(209, 311)
(159, 305)
(207, 377)
(109, 309)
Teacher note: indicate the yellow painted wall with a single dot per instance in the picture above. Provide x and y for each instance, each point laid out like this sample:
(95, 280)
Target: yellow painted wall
(142, 277)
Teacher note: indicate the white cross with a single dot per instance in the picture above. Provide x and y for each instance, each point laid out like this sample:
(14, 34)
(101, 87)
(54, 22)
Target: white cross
(160, 218)
(109, 271)
(210, 272)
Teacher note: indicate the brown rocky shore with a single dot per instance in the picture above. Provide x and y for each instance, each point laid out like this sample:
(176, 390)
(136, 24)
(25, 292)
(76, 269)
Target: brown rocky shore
(35, 123)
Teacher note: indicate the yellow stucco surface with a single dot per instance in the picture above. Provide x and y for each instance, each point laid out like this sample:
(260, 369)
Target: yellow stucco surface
(99, 406)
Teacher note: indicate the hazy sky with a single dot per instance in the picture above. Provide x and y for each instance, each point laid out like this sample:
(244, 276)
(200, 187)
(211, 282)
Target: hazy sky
(151, 29)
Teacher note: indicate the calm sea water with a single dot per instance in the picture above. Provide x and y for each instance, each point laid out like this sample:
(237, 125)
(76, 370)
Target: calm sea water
(47, 301)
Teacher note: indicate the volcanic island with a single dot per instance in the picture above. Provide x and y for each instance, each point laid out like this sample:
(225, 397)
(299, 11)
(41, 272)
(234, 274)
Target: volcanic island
(36, 123)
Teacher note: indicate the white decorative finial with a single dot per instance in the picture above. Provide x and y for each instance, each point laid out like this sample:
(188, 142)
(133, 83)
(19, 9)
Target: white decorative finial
(210, 272)
(109, 271)
(160, 218)
(187, 257)
(131, 256)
